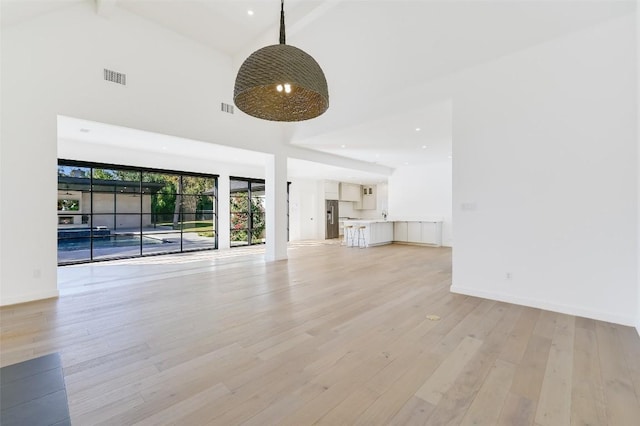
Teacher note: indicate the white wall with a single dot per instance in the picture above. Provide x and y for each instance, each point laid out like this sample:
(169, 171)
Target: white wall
(638, 138)
(276, 209)
(546, 162)
(224, 211)
(76, 150)
(422, 193)
(304, 201)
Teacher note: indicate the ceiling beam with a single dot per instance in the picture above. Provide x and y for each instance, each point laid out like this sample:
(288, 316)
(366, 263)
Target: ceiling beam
(105, 7)
(302, 153)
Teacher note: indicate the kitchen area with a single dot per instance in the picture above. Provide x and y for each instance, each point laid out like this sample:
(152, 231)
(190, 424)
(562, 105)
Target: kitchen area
(359, 216)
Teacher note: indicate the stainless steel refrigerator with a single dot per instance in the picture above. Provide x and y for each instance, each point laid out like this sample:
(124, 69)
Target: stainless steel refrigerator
(333, 227)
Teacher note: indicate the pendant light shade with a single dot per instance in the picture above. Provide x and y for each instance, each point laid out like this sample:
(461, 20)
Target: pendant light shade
(281, 83)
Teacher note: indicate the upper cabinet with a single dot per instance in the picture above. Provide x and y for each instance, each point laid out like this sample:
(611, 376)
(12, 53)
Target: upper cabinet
(368, 201)
(330, 190)
(350, 192)
(363, 196)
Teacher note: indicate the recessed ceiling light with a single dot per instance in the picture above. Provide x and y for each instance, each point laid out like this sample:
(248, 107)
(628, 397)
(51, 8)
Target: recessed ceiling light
(418, 129)
(164, 148)
(250, 12)
(424, 147)
(406, 163)
(343, 146)
(85, 130)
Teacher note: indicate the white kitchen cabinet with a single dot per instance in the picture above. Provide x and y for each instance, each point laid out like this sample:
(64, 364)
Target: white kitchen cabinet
(414, 232)
(431, 233)
(381, 233)
(400, 231)
(350, 192)
(330, 190)
(373, 234)
(427, 232)
(368, 201)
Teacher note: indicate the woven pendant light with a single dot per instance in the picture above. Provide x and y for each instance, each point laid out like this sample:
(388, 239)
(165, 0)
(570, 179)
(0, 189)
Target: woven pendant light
(281, 83)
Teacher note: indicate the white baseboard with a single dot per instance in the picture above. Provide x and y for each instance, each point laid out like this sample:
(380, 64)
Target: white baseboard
(548, 306)
(29, 297)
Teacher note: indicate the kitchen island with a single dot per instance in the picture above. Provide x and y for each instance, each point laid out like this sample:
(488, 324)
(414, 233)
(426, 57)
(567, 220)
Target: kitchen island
(378, 232)
(375, 232)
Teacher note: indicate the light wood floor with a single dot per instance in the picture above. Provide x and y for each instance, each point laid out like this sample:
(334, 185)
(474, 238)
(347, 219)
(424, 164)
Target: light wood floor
(334, 336)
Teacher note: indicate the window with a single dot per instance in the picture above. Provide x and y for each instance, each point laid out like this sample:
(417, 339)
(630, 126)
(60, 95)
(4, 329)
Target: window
(247, 207)
(108, 212)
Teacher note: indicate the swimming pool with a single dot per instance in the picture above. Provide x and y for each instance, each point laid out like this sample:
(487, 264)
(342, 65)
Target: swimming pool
(126, 240)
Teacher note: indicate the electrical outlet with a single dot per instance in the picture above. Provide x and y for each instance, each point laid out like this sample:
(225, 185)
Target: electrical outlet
(508, 276)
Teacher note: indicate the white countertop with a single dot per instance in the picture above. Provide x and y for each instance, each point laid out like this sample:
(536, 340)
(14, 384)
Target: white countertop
(424, 219)
(433, 219)
(366, 221)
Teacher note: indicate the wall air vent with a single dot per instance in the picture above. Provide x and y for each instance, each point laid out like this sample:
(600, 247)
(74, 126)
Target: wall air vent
(115, 77)
(226, 108)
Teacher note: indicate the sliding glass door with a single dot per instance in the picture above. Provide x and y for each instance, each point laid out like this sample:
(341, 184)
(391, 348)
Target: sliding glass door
(109, 212)
(247, 207)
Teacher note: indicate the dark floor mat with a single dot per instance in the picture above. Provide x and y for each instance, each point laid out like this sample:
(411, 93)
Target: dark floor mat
(33, 393)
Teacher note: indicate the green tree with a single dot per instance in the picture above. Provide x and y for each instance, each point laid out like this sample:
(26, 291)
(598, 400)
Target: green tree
(103, 174)
(248, 216)
(192, 193)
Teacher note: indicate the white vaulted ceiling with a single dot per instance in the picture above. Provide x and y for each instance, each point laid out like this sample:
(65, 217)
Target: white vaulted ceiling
(372, 52)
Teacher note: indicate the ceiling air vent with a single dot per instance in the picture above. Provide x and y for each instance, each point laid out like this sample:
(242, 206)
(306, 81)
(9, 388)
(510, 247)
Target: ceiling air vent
(226, 108)
(115, 77)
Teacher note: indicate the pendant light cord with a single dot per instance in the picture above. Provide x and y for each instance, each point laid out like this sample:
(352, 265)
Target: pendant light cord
(282, 36)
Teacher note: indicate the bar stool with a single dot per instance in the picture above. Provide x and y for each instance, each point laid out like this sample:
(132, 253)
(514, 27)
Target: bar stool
(349, 234)
(362, 242)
